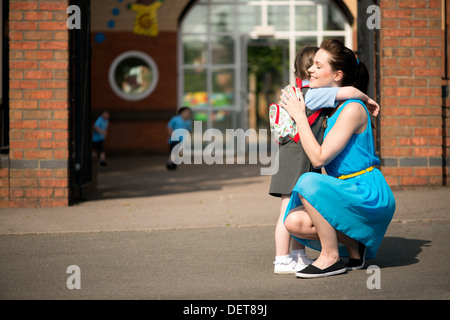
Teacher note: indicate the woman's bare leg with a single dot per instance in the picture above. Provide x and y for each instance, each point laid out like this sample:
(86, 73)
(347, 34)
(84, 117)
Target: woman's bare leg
(350, 244)
(327, 235)
(299, 224)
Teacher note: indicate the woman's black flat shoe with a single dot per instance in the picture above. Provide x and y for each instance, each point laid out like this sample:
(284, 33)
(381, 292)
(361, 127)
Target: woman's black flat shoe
(357, 264)
(311, 271)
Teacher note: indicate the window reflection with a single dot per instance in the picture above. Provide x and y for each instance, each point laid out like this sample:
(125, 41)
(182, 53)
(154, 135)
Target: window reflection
(221, 119)
(200, 115)
(222, 18)
(222, 50)
(301, 42)
(332, 18)
(306, 18)
(133, 75)
(195, 21)
(195, 88)
(249, 17)
(279, 17)
(223, 87)
(217, 40)
(195, 50)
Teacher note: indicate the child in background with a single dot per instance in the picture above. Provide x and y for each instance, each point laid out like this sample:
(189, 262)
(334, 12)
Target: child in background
(99, 136)
(293, 161)
(180, 121)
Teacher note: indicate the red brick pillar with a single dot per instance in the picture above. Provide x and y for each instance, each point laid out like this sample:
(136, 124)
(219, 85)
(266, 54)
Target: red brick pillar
(39, 62)
(412, 49)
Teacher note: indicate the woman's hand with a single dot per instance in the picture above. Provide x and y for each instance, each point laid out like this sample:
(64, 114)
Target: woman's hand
(295, 107)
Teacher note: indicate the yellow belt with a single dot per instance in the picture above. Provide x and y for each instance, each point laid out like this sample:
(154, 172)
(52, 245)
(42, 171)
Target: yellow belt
(351, 175)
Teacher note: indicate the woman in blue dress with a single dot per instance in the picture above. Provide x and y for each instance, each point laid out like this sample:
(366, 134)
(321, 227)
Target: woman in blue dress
(346, 212)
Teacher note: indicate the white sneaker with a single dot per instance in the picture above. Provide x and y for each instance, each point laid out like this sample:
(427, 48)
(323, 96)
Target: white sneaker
(287, 266)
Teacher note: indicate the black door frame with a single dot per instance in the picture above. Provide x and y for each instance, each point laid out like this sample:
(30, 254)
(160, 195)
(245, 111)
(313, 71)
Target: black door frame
(4, 113)
(369, 52)
(80, 133)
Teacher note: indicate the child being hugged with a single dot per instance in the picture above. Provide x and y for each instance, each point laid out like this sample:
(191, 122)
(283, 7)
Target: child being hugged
(293, 161)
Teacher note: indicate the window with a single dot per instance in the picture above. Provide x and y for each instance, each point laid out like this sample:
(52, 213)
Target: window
(214, 41)
(133, 75)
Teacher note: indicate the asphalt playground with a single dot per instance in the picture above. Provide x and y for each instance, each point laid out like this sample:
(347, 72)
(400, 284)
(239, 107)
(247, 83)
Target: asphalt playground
(204, 232)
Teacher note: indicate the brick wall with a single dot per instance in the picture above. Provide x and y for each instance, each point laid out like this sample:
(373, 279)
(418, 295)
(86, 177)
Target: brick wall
(38, 157)
(412, 50)
(446, 134)
(136, 126)
(415, 140)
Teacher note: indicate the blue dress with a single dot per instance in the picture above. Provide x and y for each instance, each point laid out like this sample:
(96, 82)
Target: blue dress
(360, 207)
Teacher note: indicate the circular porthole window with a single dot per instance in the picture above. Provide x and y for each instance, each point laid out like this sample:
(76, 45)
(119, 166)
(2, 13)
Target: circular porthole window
(133, 75)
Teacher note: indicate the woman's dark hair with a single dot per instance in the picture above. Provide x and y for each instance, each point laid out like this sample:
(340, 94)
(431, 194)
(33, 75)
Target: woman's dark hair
(355, 72)
(303, 61)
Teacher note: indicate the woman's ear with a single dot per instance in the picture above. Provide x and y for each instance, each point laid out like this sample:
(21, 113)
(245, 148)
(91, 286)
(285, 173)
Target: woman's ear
(338, 75)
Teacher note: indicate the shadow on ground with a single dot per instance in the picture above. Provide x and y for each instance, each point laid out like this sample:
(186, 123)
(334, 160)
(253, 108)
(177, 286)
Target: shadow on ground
(142, 176)
(398, 252)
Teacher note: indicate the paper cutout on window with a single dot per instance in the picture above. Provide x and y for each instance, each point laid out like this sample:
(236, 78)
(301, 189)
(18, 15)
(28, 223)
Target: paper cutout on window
(146, 22)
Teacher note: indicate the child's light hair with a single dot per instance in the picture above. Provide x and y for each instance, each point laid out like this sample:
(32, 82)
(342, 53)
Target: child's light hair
(304, 60)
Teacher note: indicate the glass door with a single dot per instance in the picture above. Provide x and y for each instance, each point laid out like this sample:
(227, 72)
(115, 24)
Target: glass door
(268, 73)
(230, 46)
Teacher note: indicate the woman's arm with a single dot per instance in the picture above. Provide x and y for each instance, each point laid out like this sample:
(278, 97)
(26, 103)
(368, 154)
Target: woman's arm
(351, 119)
(346, 93)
